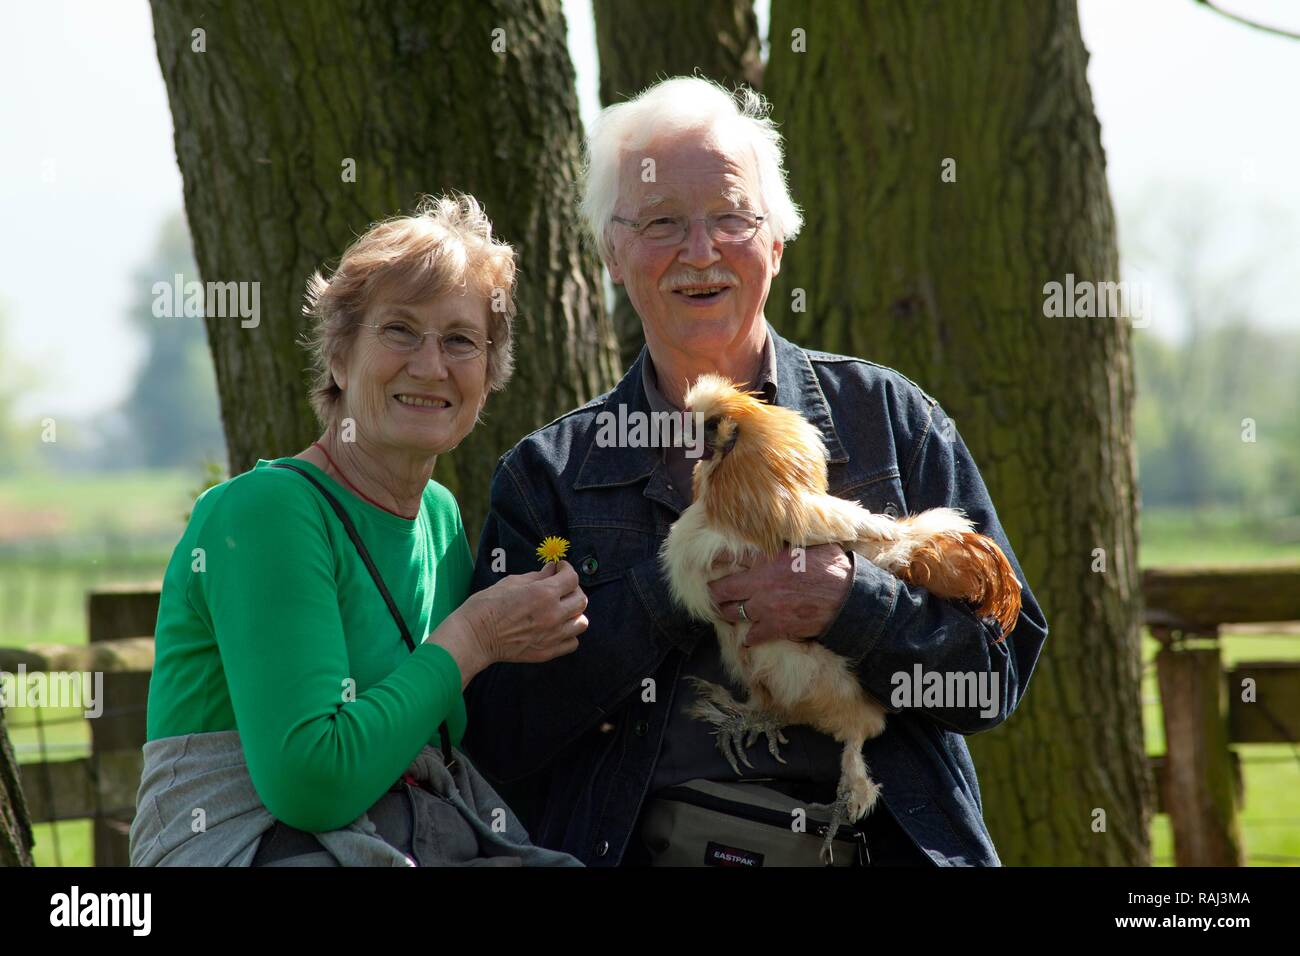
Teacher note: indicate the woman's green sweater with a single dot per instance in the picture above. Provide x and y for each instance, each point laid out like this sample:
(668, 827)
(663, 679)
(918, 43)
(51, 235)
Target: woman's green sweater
(269, 624)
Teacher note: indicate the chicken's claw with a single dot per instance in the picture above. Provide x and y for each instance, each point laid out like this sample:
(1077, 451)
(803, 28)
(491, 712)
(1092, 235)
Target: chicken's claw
(729, 735)
(855, 796)
(769, 727)
(738, 725)
(839, 811)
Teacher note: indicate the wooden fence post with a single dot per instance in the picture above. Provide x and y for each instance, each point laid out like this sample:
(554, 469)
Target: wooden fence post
(117, 737)
(1203, 801)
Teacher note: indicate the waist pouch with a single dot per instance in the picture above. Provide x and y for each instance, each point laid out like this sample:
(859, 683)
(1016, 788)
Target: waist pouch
(707, 823)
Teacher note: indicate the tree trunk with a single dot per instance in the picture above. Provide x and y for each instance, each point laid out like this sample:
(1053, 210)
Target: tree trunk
(944, 281)
(423, 97)
(640, 43)
(15, 825)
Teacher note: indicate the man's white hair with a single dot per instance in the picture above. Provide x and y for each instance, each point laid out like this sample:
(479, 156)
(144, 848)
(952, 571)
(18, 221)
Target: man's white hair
(681, 104)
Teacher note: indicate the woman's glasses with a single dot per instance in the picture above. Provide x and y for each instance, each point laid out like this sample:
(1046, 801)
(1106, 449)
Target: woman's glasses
(457, 345)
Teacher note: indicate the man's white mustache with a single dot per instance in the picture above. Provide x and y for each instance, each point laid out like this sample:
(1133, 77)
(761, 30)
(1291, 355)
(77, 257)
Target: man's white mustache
(707, 277)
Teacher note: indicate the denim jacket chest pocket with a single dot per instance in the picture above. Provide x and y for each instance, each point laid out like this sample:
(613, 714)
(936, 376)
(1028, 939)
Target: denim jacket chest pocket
(603, 550)
(880, 492)
(619, 571)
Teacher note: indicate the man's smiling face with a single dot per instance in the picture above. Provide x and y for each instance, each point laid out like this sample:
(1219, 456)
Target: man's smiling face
(695, 173)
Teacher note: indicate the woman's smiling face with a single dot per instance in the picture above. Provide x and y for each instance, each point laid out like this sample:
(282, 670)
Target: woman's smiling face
(421, 400)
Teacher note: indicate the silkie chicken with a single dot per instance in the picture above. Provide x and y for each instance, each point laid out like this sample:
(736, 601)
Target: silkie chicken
(763, 486)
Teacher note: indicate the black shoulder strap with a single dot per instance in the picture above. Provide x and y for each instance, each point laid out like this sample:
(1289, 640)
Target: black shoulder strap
(361, 550)
(379, 582)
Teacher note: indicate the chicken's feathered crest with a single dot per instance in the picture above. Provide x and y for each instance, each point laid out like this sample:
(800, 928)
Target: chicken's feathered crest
(766, 461)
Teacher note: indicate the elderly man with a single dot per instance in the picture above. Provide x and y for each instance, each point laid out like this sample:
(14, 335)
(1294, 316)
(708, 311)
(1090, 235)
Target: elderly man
(685, 195)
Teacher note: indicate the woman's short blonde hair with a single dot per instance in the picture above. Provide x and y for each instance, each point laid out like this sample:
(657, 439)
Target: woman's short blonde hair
(446, 246)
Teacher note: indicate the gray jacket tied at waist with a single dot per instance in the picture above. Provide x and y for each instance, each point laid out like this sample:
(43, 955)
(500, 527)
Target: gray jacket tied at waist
(197, 807)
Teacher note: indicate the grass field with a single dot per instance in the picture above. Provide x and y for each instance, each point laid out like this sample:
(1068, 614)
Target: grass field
(126, 504)
(80, 534)
(61, 537)
(1217, 537)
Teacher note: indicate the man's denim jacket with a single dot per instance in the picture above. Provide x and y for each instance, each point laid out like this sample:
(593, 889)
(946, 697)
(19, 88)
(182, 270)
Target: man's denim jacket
(572, 743)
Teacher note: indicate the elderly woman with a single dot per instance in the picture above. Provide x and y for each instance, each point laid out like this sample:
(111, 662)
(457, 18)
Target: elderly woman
(315, 631)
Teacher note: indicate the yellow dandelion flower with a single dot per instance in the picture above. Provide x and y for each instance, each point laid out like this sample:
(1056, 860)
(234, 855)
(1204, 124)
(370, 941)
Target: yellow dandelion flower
(552, 549)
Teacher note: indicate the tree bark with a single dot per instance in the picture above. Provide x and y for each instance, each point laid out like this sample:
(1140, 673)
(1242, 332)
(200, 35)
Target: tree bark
(15, 824)
(640, 43)
(414, 92)
(944, 281)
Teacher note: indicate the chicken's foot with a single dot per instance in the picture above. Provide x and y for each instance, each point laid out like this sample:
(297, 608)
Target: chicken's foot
(739, 725)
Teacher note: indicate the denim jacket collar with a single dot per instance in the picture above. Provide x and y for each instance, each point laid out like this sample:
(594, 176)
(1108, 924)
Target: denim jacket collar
(797, 387)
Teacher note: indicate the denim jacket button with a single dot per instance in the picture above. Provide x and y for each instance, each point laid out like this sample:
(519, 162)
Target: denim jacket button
(589, 565)
(891, 509)
(602, 848)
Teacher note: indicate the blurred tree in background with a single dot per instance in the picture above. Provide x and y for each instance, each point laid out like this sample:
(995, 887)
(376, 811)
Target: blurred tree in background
(1195, 394)
(1210, 367)
(170, 417)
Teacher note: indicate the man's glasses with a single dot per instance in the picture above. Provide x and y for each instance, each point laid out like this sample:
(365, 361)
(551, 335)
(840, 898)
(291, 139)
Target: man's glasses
(457, 345)
(735, 225)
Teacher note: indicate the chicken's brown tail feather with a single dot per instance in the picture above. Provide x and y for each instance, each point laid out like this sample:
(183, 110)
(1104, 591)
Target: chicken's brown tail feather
(972, 567)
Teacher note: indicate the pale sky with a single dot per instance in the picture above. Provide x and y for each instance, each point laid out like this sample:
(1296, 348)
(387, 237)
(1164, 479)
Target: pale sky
(88, 170)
